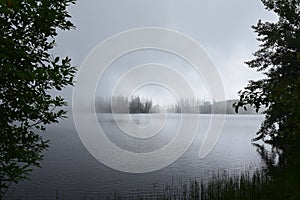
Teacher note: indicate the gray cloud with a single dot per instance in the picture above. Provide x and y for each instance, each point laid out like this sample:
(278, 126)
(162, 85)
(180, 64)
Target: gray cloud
(221, 27)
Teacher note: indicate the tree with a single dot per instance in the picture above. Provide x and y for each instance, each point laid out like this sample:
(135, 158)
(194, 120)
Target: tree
(28, 73)
(279, 60)
(135, 105)
(147, 106)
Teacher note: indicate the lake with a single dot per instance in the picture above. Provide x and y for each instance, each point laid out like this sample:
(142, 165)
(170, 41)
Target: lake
(71, 172)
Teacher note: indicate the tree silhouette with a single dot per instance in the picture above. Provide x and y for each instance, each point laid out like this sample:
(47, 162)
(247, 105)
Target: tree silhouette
(137, 106)
(28, 73)
(279, 60)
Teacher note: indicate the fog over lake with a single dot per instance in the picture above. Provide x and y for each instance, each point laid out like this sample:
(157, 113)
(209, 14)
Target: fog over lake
(71, 172)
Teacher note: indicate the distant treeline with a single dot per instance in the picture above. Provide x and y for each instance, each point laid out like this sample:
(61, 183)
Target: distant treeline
(121, 104)
(136, 104)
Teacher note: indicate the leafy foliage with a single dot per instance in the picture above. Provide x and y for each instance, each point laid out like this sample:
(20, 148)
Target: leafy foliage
(279, 60)
(28, 73)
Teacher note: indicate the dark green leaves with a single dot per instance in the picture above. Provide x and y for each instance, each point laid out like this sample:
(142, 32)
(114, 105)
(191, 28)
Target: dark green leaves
(28, 72)
(278, 59)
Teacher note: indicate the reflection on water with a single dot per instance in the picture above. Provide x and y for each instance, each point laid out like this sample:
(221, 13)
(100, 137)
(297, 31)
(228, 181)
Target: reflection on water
(142, 120)
(70, 171)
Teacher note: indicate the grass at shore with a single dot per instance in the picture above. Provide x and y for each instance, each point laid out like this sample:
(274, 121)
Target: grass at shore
(283, 184)
(220, 186)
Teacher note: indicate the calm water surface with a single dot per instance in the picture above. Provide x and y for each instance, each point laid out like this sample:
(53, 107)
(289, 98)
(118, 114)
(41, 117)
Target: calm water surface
(70, 172)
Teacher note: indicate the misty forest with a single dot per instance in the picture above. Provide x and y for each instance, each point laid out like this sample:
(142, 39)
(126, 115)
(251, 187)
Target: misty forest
(136, 104)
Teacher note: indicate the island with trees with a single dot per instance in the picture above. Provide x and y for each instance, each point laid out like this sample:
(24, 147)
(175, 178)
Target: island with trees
(137, 104)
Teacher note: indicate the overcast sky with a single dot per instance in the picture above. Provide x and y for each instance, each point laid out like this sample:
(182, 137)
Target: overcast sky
(222, 28)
